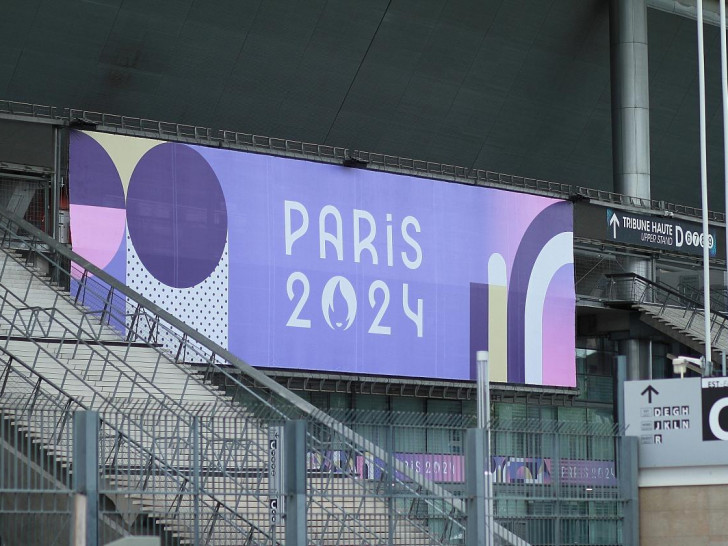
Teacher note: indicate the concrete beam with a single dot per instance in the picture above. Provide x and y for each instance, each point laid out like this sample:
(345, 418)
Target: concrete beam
(688, 9)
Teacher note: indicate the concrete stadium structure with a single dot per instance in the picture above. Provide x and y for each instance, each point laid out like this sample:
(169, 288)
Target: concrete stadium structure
(590, 101)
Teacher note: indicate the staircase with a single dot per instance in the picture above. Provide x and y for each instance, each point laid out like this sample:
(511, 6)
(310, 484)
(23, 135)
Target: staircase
(72, 337)
(669, 311)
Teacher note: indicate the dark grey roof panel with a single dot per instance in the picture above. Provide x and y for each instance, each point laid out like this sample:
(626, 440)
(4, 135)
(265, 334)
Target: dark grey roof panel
(520, 86)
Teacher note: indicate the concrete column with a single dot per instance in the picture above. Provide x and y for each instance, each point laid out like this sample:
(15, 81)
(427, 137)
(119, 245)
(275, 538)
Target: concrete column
(636, 352)
(630, 97)
(630, 124)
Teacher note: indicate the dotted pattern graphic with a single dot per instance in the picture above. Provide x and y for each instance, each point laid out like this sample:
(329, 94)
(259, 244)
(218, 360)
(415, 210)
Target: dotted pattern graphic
(203, 307)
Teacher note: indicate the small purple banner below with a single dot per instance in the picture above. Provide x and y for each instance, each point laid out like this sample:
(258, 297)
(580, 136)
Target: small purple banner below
(448, 468)
(438, 467)
(577, 472)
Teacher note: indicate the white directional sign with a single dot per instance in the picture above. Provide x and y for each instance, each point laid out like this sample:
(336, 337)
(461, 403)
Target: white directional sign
(680, 422)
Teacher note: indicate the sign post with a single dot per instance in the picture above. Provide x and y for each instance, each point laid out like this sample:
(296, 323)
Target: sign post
(481, 358)
(275, 475)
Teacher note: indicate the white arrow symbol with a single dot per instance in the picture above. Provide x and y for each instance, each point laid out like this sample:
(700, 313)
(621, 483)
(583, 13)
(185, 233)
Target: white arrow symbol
(614, 222)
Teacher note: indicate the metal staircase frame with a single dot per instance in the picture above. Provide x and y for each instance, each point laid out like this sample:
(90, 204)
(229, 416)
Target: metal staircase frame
(31, 410)
(636, 290)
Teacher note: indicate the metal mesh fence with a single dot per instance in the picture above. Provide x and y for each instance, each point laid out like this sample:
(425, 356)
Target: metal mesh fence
(553, 482)
(35, 487)
(380, 498)
(166, 478)
(557, 482)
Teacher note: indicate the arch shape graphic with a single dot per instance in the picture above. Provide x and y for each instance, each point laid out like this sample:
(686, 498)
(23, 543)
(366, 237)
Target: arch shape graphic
(555, 254)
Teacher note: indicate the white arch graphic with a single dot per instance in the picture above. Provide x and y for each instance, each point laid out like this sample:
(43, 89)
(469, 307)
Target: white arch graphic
(556, 253)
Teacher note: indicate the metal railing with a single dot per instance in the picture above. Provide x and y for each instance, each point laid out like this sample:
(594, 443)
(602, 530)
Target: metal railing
(664, 301)
(554, 482)
(430, 169)
(135, 445)
(141, 323)
(718, 296)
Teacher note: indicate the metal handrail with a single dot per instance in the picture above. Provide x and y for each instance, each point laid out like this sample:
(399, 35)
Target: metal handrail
(661, 287)
(718, 297)
(219, 361)
(646, 291)
(322, 152)
(67, 403)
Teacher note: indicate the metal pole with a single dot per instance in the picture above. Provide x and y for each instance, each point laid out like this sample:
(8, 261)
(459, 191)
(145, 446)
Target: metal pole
(475, 486)
(556, 480)
(390, 489)
(704, 185)
(621, 377)
(630, 100)
(294, 483)
(196, 478)
(481, 358)
(724, 86)
(55, 183)
(86, 469)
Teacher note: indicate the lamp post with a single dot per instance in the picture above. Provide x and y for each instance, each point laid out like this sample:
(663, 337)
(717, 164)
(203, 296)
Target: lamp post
(724, 88)
(483, 389)
(483, 393)
(704, 182)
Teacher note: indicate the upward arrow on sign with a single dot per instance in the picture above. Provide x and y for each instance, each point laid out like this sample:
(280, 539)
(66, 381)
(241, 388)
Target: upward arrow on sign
(614, 222)
(649, 391)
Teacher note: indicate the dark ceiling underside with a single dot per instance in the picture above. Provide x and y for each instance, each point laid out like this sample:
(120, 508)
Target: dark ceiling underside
(517, 86)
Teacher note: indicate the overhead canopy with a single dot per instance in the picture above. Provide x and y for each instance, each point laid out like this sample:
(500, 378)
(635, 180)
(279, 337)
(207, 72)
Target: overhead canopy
(514, 86)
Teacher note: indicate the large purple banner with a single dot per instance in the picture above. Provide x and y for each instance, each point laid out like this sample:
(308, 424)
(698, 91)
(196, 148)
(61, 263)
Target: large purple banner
(303, 265)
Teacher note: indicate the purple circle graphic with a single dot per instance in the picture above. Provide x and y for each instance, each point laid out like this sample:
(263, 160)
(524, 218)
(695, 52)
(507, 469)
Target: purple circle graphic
(94, 179)
(176, 215)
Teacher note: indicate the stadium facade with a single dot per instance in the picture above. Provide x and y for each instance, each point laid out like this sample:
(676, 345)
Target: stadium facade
(590, 106)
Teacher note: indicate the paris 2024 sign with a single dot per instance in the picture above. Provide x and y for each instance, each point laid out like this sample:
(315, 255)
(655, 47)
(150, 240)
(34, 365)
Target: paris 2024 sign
(311, 266)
